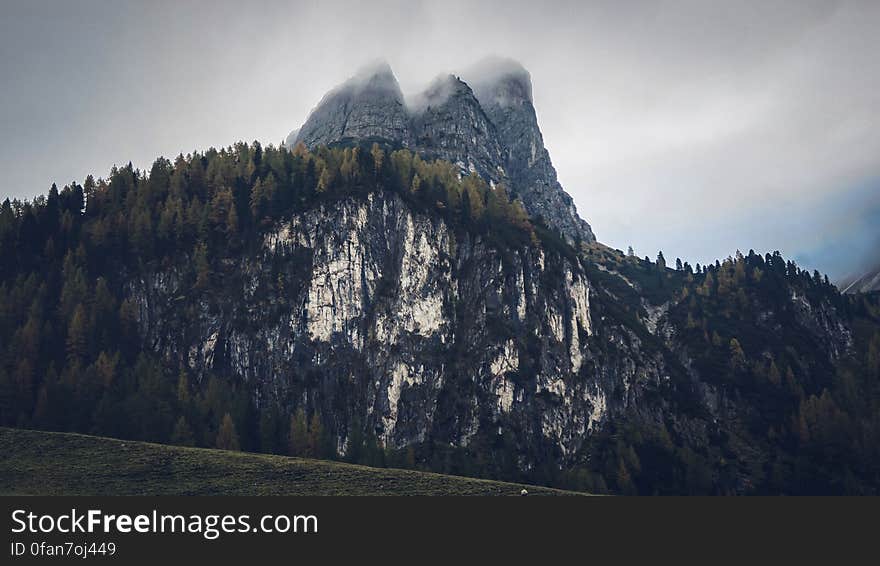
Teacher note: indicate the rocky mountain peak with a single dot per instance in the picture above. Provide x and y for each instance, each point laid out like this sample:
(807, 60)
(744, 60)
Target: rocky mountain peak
(485, 124)
(449, 123)
(504, 89)
(368, 106)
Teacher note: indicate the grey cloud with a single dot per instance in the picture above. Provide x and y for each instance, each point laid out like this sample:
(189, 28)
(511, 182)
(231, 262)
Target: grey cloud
(484, 75)
(437, 92)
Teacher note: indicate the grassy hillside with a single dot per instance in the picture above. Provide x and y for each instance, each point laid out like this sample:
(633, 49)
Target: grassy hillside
(51, 463)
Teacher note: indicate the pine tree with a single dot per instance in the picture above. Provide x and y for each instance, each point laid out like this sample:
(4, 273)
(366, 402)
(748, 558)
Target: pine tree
(271, 192)
(739, 273)
(269, 430)
(105, 367)
(182, 388)
(624, 480)
(324, 180)
(315, 437)
(355, 450)
(232, 223)
(378, 157)
(77, 335)
(773, 373)
(298, 437)
(203, 267)
(227, 437)
(183, 435)
(416, 184)
(258, 201)
(661, 261)
(737, 356)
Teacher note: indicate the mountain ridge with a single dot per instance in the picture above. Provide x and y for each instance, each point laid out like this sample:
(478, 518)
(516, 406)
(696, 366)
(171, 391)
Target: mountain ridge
(866, 282)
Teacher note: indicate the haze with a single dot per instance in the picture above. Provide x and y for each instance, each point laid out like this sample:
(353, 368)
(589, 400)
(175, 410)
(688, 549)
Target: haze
(698, 128)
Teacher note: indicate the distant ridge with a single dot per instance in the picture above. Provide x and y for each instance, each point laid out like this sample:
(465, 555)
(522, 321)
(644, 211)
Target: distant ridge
(867, 282)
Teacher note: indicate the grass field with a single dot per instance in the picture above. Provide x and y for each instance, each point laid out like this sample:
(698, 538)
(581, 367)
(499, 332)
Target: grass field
(52, 463)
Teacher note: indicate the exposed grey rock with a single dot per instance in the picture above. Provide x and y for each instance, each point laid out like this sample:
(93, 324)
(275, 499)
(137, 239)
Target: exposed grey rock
(504, 89)
(448, 123)
(865, 282)
(369, 311)
(369, 106)
(290, 140)
(493, 132)
(375, 315)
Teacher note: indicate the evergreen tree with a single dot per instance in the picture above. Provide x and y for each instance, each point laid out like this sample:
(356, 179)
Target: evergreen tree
(183, 388)
(77, 335)
(378, 157)
(315, 437)
(661, 261)
(298, 437)
(183, 435)
(203, 267)
(269, 430)
(227, 436)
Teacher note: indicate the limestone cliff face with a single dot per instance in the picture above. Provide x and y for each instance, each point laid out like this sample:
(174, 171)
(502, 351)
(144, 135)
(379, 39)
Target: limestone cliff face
(389, 321)
(373, 313)
(491, 129)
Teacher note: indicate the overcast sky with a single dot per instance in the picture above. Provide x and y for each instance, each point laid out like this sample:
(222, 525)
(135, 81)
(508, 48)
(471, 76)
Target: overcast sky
(693, 127)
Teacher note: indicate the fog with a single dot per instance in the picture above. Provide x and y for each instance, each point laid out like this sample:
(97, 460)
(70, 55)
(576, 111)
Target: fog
(693, 127)
(435, 94)
(483, 74)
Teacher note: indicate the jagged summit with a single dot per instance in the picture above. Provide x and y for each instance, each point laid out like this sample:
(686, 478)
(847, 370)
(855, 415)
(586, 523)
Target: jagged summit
(504, 89)
(367, 106)
(485, 123)
(448, 123)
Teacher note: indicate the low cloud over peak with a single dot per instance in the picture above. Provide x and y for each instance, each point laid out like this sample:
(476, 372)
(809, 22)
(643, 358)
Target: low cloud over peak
(496, 80)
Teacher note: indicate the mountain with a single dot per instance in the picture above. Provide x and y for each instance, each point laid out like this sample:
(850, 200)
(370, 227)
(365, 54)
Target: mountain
(449, 123)
(504, 89)
(865, 282)
(367, 107)
(375, 305)
(493, 132)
